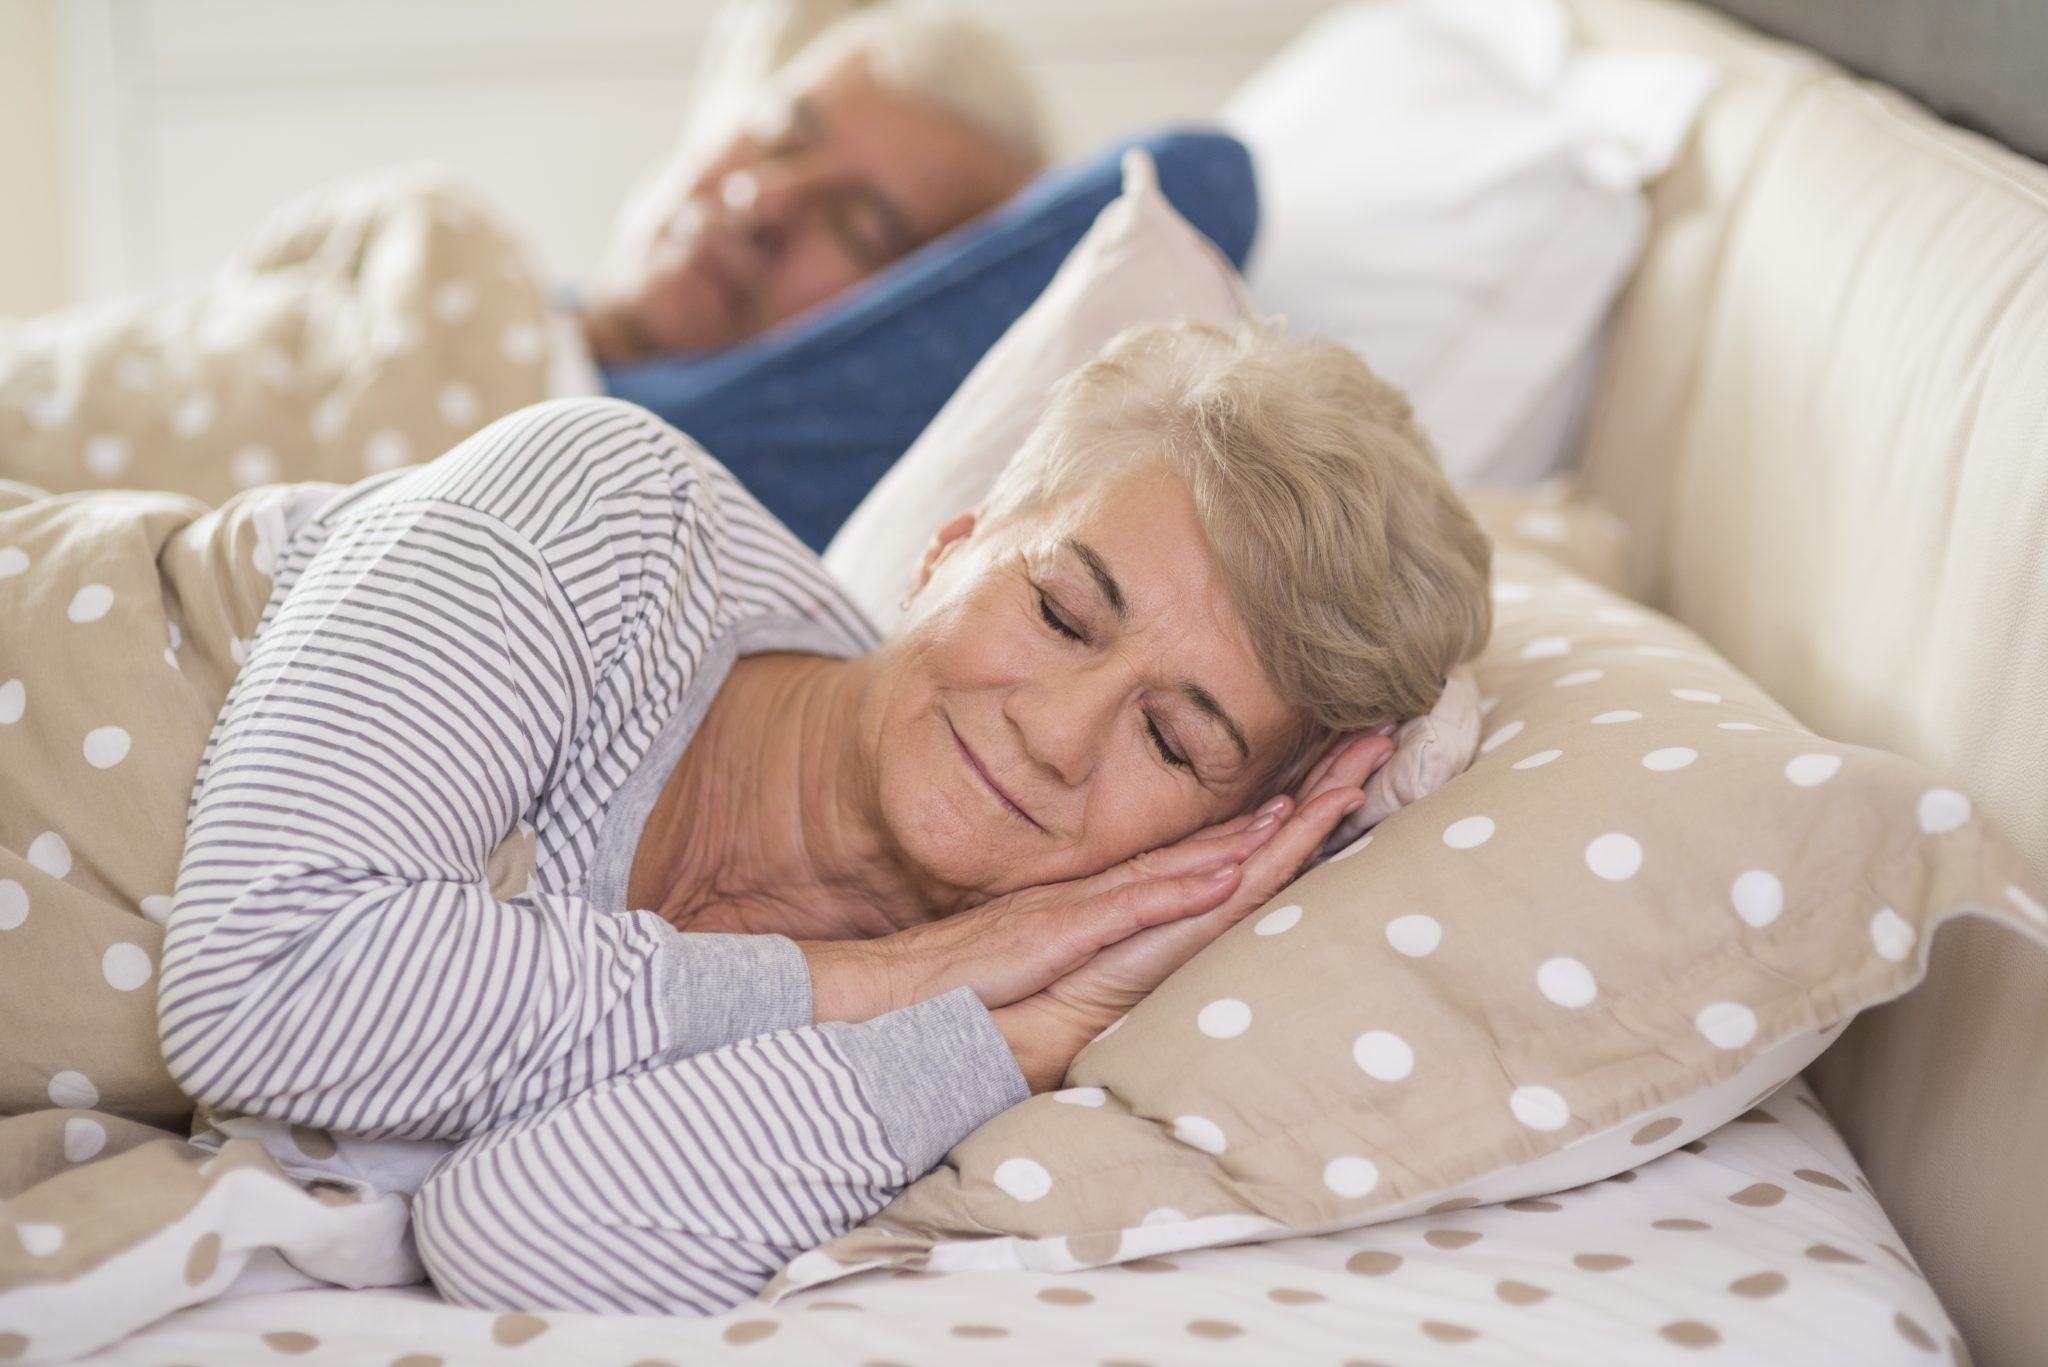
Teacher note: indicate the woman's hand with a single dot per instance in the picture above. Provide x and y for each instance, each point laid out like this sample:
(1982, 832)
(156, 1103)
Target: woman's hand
(1046, 1029)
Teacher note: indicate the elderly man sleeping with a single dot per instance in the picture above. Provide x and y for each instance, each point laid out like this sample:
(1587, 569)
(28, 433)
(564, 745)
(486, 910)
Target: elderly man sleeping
(515, 718)
(370, 323)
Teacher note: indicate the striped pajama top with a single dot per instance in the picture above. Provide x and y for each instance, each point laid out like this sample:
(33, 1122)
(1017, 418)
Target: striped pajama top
(521, 636)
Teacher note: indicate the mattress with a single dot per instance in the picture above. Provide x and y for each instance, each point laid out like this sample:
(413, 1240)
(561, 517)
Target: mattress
(1759, 1244)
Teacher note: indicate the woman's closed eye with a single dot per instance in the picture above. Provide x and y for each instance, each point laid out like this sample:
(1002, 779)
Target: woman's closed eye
(1053, 619)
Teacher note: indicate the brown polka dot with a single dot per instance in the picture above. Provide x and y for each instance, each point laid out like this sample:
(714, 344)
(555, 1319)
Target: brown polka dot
(1214, 1329)
(1451, 1240)
(1680, 1224)
(1455, 1203)
(313, 1143)
(289, 1341)
(1759, 1194)
(750, 1331)
(1287, 1295)
(1820, 1179)
(1624, 1177)
(1066, 1295)
(1828, 1253)
(1911, 1332)
(1601, 1262)
(1696, 1146)
(1150, 1265)
(1448, 1333)
(1759, 1285)
(1656, 1130)
(1520, 1293)
(834, 1305)
(1372, 1262)
(1092, 1250)
(915, 1274)
(1902, 1260)
(204, 1259)
(1535, 1207)
(12, 1346)
(1756, 1117)
(980, 1331)
(1691, 1334)
(431, 1360)
(509, 1331)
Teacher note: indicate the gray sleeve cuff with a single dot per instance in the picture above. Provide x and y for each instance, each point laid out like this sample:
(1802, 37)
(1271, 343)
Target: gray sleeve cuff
(933, 1072)
(716, 989)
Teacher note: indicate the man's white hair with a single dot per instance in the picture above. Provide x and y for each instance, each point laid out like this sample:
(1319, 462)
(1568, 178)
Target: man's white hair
(936, 54)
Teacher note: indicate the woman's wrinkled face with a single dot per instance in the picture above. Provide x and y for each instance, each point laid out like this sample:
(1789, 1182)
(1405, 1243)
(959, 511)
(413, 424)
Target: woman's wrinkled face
(1069, 689)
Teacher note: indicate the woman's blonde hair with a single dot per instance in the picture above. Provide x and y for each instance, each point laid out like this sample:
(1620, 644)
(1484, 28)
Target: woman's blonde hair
(1359, 573)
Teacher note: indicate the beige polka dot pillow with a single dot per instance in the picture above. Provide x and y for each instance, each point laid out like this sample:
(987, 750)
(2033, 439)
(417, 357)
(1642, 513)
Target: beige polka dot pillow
(1652, 898)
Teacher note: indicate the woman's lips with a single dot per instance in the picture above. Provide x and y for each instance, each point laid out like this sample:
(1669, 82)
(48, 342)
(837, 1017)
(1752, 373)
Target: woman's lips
(974, 763)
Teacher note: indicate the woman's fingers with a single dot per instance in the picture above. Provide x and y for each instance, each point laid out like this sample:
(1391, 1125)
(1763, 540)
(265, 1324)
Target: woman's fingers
(1280, 861)
(1230, 842)
(1155, 901)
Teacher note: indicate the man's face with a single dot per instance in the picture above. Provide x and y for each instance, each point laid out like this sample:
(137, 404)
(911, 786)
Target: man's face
(824, 187)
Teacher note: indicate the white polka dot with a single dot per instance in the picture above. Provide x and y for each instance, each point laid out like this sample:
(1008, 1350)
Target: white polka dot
(1727, 1025)
(1163, 1215)
(1657, 652)
(252, 465)
(812, 1266)
(1081, 1096)
(74, 1091)
(1199, 1132)
(1537, 760)
(1023, 1179)
(1695, 695)
(1279, 920)
(1567, 982)
(126, 967)
(522, 343)
(272, 367)
(1112, 1027)
(2014, 893)
(1500, 737)
(1353, 848)
(40, 1240)
(13, 904)
(84, 1137)
(459, 406)
(1942, 810)
(1758, 896)
(1540, 1108)
(46, 413)
(13, 701)
(1738, 726)
(13, 560)
(396, 332)
(106, 747)
(1511, 593)
(1541, 526)
(1614, 856)
(1486, 706)
(1621, 617)
(1669, 758)
(171, 659)
(1544, 647)
(454, 301)
(1609, 718)
(1810, 770)
(134, 372)
(157, 909)
(1469, 832)
(90, 603)
(1891, 934)
(1225, 1018)
(1577, 677)
(1383, 1055)
(386, 450)
(177, 636)
(49, 853)
(106, 455)
(1351, 1175)
(330, 415)
(193, 416)
(1415, 936)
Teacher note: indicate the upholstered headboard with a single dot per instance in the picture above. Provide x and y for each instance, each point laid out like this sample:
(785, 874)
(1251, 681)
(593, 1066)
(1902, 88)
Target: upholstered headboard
(1825, 418)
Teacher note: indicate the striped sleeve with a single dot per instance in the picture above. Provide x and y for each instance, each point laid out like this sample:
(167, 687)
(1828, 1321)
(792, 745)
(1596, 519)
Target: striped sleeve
(683, 1189)
(434, 676)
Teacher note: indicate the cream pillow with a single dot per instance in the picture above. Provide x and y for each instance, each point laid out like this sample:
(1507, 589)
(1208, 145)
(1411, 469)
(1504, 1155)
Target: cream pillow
(1652, 899)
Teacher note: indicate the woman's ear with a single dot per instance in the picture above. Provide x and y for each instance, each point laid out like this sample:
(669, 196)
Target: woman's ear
(940, 546)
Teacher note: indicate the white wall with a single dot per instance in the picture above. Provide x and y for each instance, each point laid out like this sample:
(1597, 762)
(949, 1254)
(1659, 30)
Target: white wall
(34, 260)
(187, 119)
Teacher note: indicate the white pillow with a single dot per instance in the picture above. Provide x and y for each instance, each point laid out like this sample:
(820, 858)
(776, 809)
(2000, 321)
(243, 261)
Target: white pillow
(1449, 188)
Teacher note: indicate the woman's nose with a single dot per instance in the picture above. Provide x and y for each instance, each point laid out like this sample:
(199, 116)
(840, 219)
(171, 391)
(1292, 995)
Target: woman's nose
(1063, 725)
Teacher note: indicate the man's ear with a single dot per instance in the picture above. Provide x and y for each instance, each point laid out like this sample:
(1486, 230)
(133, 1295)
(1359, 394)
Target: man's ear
(941, 545)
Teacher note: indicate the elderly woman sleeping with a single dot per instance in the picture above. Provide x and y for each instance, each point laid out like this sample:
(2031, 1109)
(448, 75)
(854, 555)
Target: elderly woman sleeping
(1131, 695)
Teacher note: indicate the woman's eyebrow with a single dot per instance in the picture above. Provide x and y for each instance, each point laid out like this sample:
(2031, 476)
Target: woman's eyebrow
(1203, 700)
